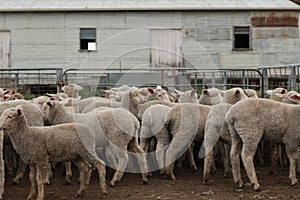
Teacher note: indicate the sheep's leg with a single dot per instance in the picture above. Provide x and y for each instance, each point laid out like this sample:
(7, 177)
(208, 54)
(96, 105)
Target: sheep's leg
(190, 157)
(293, 161)
(99, 164)
(141, 158)
(68, 166)
(32, 178)
(41, 169)
(181, 160)
(208, 160)
(20, 173)
(85, 171)
(274, 157)
(235, 157)
(227, 165)
(163, 140)
(122, 158)
(248, 152)
(2, 171)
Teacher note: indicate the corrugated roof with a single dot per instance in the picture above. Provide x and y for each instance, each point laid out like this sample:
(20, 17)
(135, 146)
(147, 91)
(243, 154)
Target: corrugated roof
(79, 5)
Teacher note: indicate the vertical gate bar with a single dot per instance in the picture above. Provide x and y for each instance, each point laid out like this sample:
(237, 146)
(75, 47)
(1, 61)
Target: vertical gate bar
(225, 80)
(213, 79)
(293, 78)
(265, 81)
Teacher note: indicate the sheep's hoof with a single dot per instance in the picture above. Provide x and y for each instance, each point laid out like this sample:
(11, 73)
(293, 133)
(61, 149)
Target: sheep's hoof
(256, 187)
(145, 182)
(195, 169)
(205, 181)
(240, 185)
(112, 184)
(295, 183)
(47, 183)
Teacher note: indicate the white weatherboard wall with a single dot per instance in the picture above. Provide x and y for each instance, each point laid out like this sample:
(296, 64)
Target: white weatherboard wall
(51, 39)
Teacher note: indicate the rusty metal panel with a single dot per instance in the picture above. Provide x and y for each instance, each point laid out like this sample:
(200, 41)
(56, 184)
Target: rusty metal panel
(275, 20)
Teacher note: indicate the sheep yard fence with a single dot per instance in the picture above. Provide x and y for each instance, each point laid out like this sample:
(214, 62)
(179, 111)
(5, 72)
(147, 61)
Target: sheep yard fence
(38, 81)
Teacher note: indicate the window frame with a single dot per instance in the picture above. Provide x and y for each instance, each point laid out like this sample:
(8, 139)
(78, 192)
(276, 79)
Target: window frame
(87, 40)
(234, 48)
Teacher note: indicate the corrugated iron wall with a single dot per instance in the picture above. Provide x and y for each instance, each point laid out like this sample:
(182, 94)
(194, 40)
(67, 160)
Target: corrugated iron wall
(51, 39)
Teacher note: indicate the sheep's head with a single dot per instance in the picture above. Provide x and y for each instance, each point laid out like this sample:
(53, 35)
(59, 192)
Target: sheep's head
(72, 90)
(291, 97)
(136, 97)
(187, 97)
(251, 93)
(46, 109)
(9, 117)
(277, 94)
(234, 95)
(211, 96)
(157, 94)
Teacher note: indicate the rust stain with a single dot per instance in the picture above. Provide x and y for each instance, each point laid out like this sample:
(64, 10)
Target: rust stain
(274, 21)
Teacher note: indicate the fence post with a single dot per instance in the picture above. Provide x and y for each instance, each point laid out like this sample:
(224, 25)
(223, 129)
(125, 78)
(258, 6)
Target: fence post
(224, 80)
(59, 79)
(265, 81)
(292, 79)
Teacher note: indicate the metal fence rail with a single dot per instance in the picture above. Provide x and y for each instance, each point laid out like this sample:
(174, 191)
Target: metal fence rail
(42, 80)
(31, 81)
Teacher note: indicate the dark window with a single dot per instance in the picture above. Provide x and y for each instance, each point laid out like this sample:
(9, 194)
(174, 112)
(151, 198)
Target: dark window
(241, 37)
(87, 38)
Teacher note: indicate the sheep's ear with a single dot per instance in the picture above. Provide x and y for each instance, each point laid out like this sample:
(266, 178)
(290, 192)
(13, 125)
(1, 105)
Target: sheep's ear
(5, 97)
(237, 92)
(283, 91)
(294, 97)
(13, 92)
(49, 103)
(193, 92)
(6, 92)
(158, 87)
(150, 90)
(269, 92)
(19, 110)
(78, 87)
(53, 98)
(205, 91)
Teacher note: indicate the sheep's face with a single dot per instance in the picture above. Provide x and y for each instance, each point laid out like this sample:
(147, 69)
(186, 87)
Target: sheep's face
(158, 94)
(9, 116)
(137, 97)
(46, 108)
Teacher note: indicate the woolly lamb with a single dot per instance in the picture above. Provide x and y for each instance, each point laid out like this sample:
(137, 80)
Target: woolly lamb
(153, 125)
(55, 143)
(97, 104)
(112, 127)
(34, 115)
(186, 123)
(87, 101)
(262, 119)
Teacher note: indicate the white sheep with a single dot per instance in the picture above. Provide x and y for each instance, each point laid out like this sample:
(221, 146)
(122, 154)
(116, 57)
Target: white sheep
(250, 121)
(153, 125)
(112, 127)
(251, 93)
(38, 146)
(34, 119)
(186, 123)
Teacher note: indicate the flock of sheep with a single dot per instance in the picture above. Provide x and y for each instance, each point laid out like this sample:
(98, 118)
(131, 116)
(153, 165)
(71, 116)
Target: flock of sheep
(154, 126)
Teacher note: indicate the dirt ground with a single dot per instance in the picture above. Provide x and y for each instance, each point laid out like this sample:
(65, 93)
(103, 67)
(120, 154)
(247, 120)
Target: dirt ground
(187, 186)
